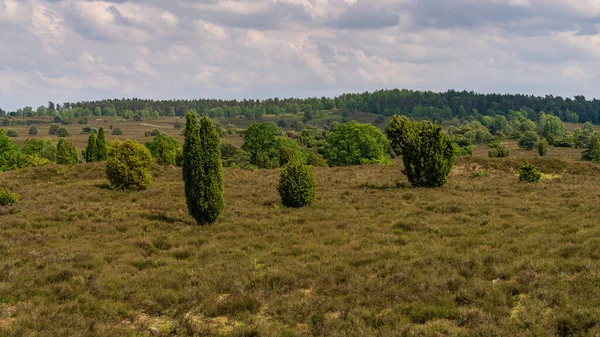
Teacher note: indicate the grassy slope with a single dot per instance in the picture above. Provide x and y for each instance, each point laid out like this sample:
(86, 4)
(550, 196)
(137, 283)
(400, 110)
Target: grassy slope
(482, 256)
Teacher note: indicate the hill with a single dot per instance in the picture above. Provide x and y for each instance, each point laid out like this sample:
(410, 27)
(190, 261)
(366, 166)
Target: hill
(483, 256)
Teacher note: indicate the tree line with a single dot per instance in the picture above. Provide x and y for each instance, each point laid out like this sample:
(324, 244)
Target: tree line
(437, 106)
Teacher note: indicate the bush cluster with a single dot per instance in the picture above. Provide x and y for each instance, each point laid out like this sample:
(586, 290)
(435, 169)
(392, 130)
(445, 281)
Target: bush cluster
(7, 197)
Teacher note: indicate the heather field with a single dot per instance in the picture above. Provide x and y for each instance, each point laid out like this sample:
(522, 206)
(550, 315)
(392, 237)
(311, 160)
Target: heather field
(483, 256)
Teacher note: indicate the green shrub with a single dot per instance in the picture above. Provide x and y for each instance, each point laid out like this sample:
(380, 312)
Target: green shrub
(355, 144)
(500, 151)
(164, 149)
(528, 140)
(542, 147)
(33, 130)
(117, 132)
(287, 154)
(102, 145)
(91, 151)
(12, 133)
(297, 184)
(427, 152)
(66, 152)
(43, 148)
(202, 170)
(63, 132)
(7, 197)
(128, 165)
(314, 158)
(529, 173)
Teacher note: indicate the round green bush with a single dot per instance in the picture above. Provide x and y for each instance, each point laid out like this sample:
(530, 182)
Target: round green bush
(128, 165)
(297, 185)
(7, 197)
(529, 173)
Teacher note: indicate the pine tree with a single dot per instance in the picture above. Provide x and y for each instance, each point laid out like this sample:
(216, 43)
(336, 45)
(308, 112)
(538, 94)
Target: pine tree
(66, 152)
(202, 170)
(91, 151)
(102, 145)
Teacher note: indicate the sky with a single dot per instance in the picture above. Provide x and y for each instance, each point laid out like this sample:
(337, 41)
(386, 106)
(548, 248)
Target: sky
(74, 50)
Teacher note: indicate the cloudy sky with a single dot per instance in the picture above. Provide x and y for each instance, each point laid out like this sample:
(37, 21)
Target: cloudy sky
(70, 50)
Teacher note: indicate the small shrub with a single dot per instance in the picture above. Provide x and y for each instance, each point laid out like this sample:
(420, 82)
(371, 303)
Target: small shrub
(178, 124)
(33, 130)
(529, 173)
(66, 153)
(379, 120)
(128, 165)
(7, 197)
(154, 133)
(500, 151)
(316, 159)
(297, 185)
(63, 132)
(117, 132)
(542, 147)
(12, 133)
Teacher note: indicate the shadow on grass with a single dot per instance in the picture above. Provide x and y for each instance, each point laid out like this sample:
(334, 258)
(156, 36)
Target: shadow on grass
(103, 186)
(398, 185)
(162, 217)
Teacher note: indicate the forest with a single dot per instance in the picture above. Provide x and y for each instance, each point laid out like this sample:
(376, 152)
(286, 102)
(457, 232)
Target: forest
(418, 104)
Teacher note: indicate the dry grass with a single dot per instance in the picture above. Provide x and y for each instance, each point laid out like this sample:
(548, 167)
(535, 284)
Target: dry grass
(483, 256)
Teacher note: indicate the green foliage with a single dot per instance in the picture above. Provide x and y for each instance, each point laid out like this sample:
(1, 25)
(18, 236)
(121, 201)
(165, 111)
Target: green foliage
(66, 153)
(178, 124)
(287, 154)
(7, 197)
(499, 151)
(102, 145)
(528, 140)
(314, 158)
(355, 144)
(164, 149)
(542, 147)
(33, 130)
(427, 152)
(43, 148)
(470, 134)
(234, 157)
(379, 120)
(593, 151)
(202, 170)
(91, 150)
(260, 141)
(12, 133)
(529, 173)
(117, 132)
(551, 127)
(127, 167)
(463, 151)
(10, 156)
(297, 184)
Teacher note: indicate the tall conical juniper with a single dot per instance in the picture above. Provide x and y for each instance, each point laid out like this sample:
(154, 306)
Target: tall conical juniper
(102, 145)
(202, 169)
(91, 151)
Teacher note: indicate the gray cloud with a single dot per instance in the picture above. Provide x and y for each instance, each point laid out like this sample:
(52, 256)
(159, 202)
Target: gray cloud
(67, 50)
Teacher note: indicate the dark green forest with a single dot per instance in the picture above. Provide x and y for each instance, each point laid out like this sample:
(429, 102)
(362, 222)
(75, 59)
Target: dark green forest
(418, 104)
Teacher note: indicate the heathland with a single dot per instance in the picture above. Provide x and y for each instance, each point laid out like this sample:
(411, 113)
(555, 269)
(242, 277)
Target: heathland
(483, 255)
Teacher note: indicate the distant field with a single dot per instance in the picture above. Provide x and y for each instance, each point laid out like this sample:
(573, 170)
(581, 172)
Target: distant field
(135, 130)
(483, 256)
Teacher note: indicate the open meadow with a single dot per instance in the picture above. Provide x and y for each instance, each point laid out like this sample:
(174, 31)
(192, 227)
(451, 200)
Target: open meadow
(482, 256)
